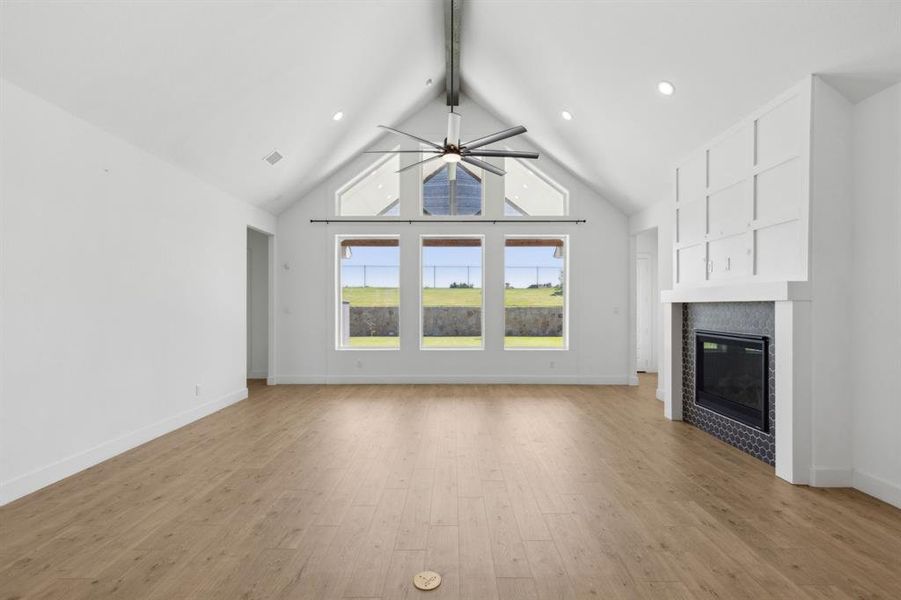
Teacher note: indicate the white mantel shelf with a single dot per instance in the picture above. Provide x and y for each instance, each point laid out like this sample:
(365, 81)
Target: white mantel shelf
(757, 291)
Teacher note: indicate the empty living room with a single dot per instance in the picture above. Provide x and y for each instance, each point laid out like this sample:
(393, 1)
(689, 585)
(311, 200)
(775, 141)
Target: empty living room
(457, 299)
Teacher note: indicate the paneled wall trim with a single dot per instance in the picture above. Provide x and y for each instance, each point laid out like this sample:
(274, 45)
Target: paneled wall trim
(742, 201)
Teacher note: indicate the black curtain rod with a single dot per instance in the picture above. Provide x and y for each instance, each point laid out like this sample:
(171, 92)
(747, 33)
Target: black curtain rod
(411, 221)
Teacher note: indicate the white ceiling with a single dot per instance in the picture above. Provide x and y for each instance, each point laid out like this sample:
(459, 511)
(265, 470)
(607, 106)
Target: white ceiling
(215, 86)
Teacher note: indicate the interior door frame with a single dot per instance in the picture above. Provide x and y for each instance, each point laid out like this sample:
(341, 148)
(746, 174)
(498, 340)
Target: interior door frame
(271, 304)
(650, 345)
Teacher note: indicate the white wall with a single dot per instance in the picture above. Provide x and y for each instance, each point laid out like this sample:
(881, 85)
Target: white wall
(123, 286)
(831, 216)
(599, 328)
(876, 304)
(257, 305)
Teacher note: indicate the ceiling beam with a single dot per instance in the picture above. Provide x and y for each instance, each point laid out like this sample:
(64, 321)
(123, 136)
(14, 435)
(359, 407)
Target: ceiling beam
(453, 9)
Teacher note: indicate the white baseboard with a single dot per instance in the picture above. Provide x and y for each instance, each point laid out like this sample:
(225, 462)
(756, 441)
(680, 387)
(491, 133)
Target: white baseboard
(830, 477)
(633, 379)
(43, 476)
(659, 394)
(257, 375)
(878, 488)
(455, 379)
(869, 484)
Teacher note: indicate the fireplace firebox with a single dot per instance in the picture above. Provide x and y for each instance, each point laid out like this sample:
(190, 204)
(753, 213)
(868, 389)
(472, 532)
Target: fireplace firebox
(731, 376)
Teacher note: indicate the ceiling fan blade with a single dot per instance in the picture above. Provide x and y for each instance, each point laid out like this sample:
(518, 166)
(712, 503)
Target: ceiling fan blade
(413, 137)
(416, 164)
(494, 137)
(511, 153)
(429, 151)
(484, 165)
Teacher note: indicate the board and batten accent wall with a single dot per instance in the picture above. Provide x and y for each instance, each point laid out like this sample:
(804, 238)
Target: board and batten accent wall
(742, 200)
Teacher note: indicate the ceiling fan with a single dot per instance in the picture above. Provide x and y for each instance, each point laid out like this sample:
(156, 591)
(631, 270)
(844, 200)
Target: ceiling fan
(452, 151)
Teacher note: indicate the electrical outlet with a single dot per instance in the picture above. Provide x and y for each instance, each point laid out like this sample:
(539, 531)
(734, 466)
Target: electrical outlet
(197, 390)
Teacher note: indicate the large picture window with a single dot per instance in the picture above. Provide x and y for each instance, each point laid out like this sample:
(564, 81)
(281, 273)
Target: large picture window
(535, 279)
(368, 292)
(442, 196)
(452, 292)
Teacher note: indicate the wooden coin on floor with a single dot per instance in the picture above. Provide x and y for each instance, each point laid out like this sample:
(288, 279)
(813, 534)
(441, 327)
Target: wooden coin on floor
(427, 580)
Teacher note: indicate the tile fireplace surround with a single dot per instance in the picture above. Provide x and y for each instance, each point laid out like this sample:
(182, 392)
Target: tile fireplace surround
(782, 312)
(755, 318)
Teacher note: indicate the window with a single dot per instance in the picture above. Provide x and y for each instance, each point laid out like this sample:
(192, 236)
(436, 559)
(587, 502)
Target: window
(368, 292)
(451, 295)
(535, 311)
(528, 193)
(375, 192)
(443, 197)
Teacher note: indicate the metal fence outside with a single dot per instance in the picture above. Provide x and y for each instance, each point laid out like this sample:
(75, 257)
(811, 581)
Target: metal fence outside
(444, 276)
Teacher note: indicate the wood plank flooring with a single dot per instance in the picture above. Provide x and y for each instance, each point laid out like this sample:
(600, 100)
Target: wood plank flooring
(510, 492)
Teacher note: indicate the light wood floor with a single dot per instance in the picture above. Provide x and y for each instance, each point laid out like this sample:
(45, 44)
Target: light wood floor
(515, 492)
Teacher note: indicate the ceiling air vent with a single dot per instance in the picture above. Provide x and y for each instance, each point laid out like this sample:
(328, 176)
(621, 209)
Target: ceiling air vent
(273, 157)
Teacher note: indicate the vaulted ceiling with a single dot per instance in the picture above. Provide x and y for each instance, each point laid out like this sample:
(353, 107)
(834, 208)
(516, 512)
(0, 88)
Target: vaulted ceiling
(215, 86)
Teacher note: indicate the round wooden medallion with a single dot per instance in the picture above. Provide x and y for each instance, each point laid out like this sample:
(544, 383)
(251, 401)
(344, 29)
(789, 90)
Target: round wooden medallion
(427, 580)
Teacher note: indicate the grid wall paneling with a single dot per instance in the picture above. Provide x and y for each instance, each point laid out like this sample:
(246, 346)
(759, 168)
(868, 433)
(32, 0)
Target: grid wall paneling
(742, 200)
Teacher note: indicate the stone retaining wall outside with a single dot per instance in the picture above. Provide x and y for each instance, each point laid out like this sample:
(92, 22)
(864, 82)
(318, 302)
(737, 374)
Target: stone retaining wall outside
(456, 321)
(543, 321)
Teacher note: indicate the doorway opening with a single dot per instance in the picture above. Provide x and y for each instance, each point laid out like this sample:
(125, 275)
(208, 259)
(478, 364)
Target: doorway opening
(259, 277)
(647, 302)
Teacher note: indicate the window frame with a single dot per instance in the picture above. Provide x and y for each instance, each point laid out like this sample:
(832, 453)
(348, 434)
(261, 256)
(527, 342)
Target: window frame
(481, 238)
(566, 290)
(338, 291)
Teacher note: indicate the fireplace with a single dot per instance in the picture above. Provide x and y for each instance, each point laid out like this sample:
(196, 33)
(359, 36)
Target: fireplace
(731, 376)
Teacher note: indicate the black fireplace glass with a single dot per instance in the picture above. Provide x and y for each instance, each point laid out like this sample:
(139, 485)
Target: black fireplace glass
(731, 376)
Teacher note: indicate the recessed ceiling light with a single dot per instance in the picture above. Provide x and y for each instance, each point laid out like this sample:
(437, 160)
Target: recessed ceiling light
(567, 116)
(379, 186)
(666, 88)
(525, 185)
(338, 116)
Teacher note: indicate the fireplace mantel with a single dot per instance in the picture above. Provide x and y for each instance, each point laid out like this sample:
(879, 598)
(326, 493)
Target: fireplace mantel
(757, 291)
(792, 362)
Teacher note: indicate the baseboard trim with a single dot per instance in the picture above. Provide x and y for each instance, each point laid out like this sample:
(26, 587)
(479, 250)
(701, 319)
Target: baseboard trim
(830, 477)
(454, 379)
(659, 394)
(633, 379)
(41, 477)
(257, 375)
(878, 487)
